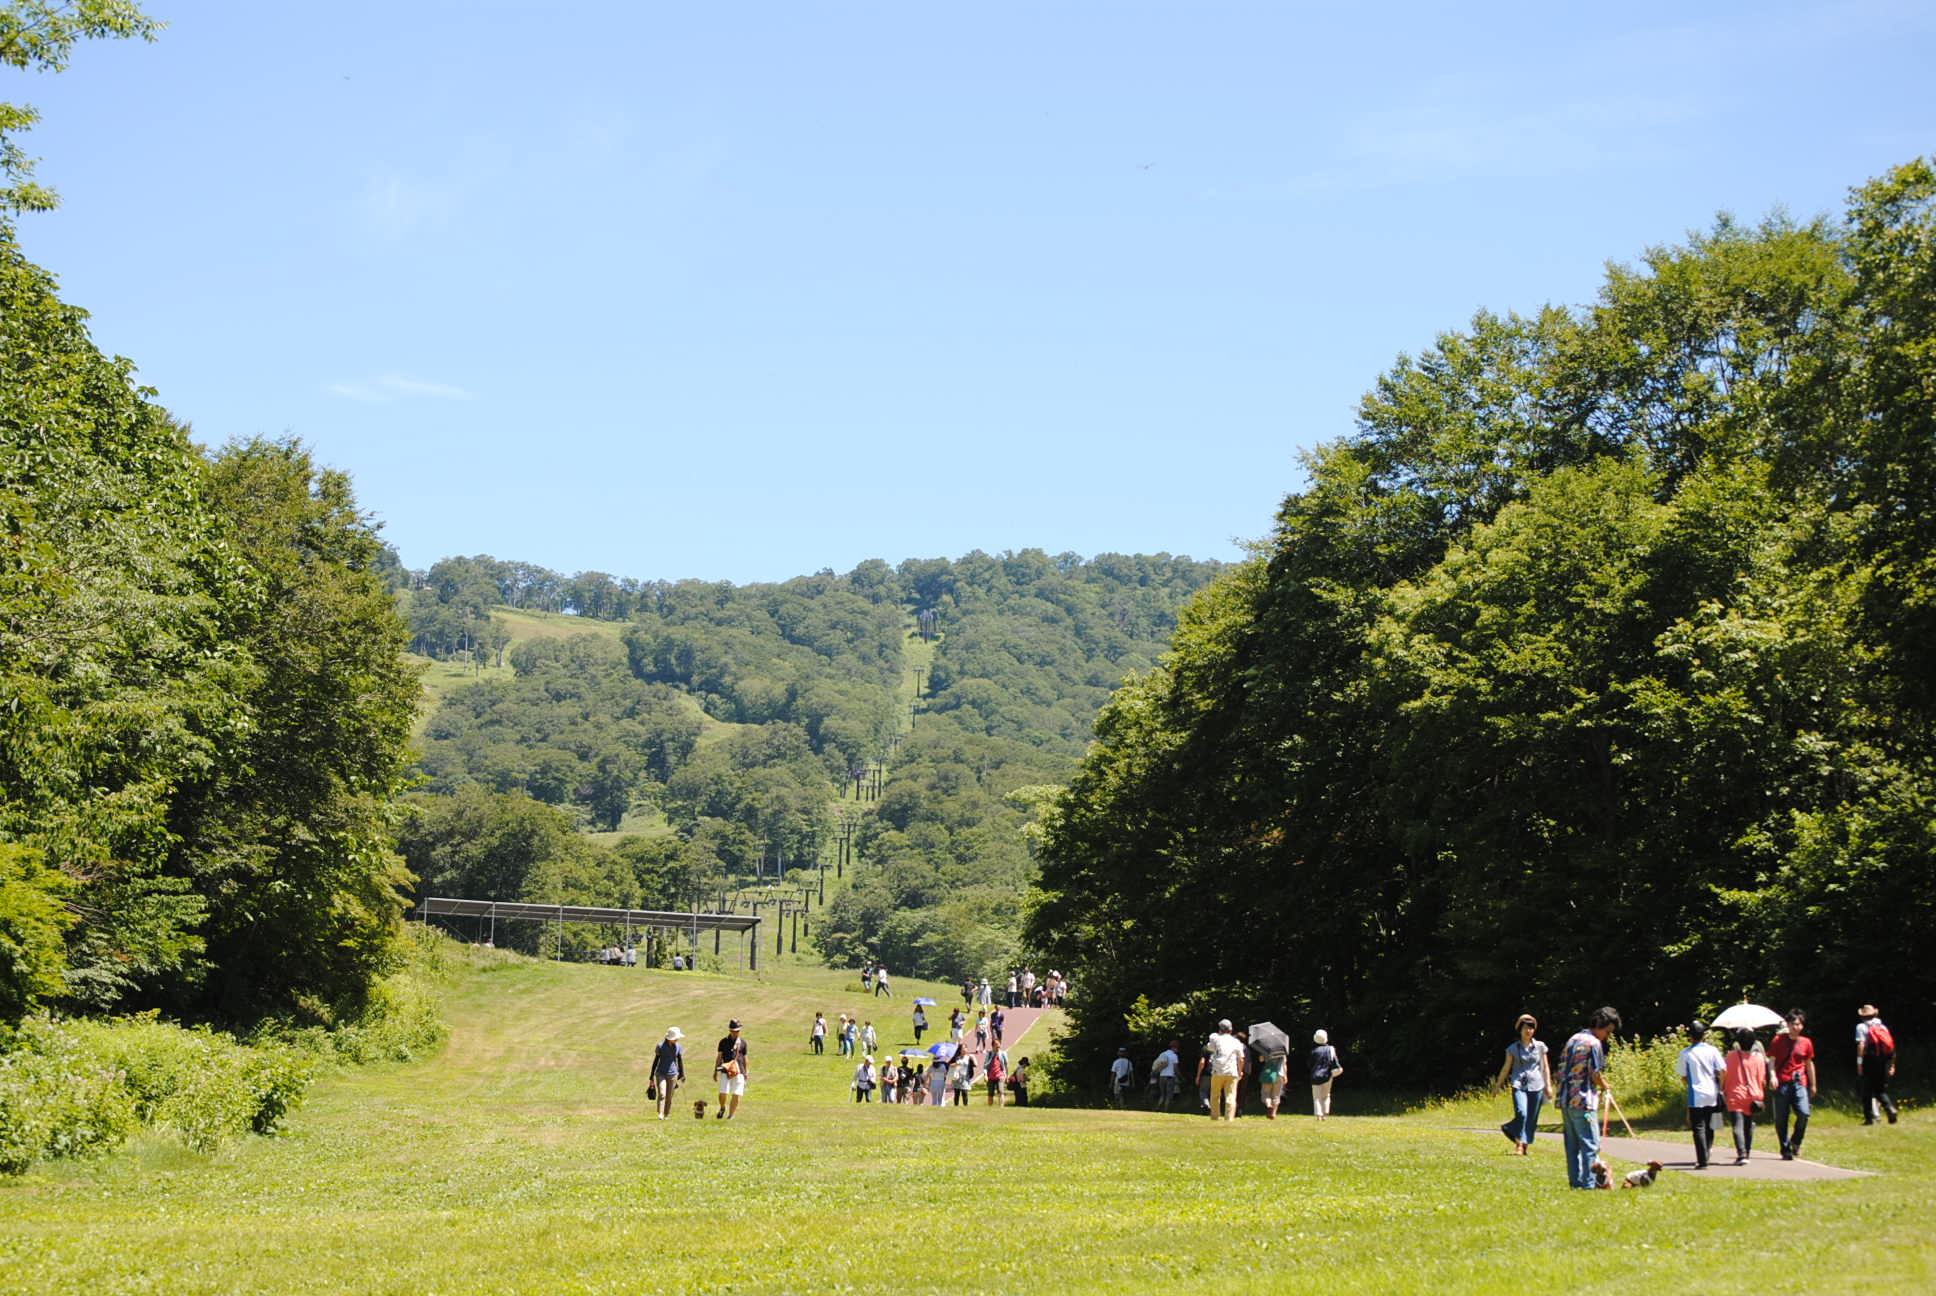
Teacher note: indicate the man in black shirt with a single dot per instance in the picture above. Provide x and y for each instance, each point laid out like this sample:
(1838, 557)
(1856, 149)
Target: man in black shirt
(730, 1067)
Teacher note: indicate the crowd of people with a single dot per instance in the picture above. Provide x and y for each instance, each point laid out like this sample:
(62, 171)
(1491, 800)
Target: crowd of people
(1742, 1085)
(1226, 1062)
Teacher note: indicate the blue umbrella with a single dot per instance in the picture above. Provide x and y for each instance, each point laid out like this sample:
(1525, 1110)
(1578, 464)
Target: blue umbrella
(924, 1003)
(945, 1050)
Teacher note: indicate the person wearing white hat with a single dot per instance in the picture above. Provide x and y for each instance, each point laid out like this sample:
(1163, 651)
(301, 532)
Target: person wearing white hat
(668, 1069)
(1224, 1057)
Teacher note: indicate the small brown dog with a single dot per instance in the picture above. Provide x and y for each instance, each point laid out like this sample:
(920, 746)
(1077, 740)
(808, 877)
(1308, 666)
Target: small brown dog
(1601, 1174)
(699, 1109)
(1643, 1177)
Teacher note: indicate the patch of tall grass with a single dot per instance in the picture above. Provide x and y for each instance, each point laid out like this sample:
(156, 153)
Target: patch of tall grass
(80, 1087)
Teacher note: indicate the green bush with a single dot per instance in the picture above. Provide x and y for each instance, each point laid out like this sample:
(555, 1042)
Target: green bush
(74, 1088)
(58, 1098)
(398, 1021)
(1641, 1073)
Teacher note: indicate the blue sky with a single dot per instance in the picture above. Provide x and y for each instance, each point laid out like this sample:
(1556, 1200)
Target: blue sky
(744, 291)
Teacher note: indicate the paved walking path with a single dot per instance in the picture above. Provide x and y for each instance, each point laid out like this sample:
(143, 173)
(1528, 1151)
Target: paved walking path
(1678, 1155)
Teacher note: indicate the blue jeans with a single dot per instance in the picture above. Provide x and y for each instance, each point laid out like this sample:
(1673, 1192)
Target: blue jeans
(1582, 1132)
(1791, 1098)
(1525, 1118)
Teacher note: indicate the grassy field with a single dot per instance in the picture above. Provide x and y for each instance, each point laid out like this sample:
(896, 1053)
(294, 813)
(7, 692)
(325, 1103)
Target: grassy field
(524, 1158)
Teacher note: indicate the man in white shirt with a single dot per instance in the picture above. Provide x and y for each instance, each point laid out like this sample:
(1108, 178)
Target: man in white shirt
(1699, 1067)
(1120, 1075)
(1224, 1056)
(1164, 1069)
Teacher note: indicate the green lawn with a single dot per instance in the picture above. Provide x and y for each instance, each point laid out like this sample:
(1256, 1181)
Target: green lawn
(524, 1159)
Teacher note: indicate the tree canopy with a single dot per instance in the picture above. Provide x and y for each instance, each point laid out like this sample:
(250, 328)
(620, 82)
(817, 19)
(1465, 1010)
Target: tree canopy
(1592, 668)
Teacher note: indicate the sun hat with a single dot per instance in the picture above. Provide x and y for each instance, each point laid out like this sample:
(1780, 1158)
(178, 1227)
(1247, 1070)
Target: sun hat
(733, 1025)
(1320, 1038)
(1868, 1010)
(675, 1034)
(1224, 1025)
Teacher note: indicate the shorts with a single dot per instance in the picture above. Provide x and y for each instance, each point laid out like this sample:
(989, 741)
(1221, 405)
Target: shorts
(732, 1085)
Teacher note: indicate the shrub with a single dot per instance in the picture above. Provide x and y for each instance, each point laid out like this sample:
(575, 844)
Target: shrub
(74, 1088)
(58, 1099)
(1641, 1073)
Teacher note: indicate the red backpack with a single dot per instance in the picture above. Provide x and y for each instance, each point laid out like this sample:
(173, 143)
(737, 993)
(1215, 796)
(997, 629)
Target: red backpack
(1881, 1043)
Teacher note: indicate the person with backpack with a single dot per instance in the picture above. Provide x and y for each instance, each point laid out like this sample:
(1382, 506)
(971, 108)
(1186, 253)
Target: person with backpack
(1875, 1063)
(668, 1070)
(1325, 1068)
(997, 1072)
(864, 1079)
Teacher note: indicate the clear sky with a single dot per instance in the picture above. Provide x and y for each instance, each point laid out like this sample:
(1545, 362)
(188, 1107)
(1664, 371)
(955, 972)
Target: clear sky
(747, 290)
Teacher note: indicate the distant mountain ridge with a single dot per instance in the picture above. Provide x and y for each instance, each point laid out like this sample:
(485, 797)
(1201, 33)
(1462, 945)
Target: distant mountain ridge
(804, 682)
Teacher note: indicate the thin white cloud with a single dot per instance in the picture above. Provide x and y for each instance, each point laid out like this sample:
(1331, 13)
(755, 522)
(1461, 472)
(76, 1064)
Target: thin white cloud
(390, 387)
(1440, 140)
(393, 205)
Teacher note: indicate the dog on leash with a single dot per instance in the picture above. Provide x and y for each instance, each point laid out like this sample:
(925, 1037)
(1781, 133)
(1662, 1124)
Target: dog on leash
(1643, 1177)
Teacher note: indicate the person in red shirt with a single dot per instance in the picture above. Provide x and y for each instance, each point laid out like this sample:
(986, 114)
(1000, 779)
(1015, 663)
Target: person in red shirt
(1793, 1056)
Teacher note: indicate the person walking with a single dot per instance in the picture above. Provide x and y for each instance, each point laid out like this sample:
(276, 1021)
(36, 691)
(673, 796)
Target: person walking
(996, 1021)
(867, 978)
(1165, 1069)
(981, 1029)
(817, 1038)
(961, 1076)
(668, 1069)
(1224, 1059)
(1272, 1073)
(869, 1041)
(1793, 1057)
(1018, 1082)
(850, 1035)
(1700, 1067)
(890, 1080)
(729, 1066)
(1014, 991)
(1744, 1087)
(937, 1083)
(1530, 1072)
(1875, 1063)
(997, 1072)
(1325, 1068)
(1583, 1067)
(1121, 1072)
(865, 1078)
(880, 982)
(920, 1022)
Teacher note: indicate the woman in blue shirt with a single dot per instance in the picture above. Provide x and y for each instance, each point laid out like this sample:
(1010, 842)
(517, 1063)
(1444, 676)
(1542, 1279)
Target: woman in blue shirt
(1531, 1075)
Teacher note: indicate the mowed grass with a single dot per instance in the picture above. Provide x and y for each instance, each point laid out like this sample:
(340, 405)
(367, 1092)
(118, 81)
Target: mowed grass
(524, 1158)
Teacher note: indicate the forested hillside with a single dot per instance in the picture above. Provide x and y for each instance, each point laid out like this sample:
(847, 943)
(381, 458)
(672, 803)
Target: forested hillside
(721, 725)
(1595, 667)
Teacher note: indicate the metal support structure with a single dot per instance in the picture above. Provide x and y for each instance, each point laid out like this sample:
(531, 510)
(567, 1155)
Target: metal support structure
(558, 915)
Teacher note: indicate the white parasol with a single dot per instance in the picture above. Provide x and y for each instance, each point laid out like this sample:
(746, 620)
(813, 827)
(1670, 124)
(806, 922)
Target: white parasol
(1746, 1016)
